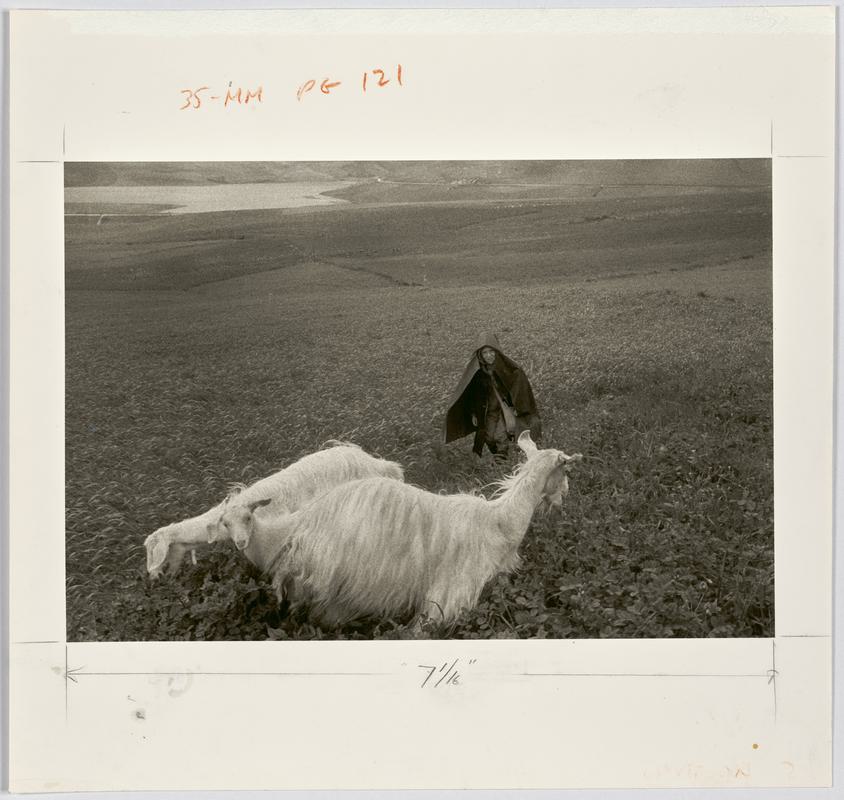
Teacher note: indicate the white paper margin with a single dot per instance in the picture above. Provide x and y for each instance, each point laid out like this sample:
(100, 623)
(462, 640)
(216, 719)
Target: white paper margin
(508, 729)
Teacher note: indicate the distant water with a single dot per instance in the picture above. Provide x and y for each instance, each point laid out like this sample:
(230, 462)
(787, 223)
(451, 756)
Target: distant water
(201, 199)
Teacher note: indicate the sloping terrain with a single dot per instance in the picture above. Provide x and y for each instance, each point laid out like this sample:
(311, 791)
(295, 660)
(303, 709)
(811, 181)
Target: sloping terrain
(217, 348)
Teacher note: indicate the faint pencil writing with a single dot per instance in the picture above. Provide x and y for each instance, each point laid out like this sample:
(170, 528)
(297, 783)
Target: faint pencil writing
(444, 675)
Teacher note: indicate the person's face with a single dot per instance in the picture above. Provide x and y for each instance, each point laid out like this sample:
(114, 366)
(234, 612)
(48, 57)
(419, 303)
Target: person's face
(488, 356)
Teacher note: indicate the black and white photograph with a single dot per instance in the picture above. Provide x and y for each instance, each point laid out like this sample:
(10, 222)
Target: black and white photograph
(419, 400)
(463, 373)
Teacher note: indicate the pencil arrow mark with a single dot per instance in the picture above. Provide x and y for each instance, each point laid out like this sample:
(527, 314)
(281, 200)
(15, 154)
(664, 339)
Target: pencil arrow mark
(71, 674)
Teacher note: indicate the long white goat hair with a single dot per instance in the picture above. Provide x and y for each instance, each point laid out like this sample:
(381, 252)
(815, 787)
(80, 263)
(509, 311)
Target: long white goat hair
(287, 490)
(294, 487)
(377, 547)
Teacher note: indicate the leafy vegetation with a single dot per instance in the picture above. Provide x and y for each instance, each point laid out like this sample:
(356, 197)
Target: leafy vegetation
(648, 345)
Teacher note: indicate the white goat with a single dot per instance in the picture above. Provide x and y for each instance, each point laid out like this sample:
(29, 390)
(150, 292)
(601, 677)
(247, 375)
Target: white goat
(286, 490)
(377, 547)
(294, 487)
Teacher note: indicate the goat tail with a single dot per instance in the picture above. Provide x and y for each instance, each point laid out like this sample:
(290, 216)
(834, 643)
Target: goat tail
(393, 470)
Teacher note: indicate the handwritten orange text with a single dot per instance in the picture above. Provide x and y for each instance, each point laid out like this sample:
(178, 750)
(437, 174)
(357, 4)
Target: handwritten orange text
(371, 79)
(233, 96)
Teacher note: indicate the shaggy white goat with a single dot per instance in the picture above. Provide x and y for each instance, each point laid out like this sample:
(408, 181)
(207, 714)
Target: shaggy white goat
(294, 487)
(377, 547)
(286, 490)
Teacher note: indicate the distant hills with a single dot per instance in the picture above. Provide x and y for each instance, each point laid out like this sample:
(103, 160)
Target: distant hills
(691, 172)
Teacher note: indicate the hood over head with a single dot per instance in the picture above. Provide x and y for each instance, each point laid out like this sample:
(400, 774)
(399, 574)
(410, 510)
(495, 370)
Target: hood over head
(459, 414)
(488, 340)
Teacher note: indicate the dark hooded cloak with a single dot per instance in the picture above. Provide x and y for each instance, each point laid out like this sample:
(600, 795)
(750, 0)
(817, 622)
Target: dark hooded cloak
(467, 406)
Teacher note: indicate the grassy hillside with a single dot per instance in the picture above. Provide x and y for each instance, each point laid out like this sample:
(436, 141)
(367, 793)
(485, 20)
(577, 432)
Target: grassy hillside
(432, 243)
(216, 348)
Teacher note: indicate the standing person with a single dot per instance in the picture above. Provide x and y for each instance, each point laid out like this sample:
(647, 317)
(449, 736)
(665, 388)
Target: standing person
(493, 400)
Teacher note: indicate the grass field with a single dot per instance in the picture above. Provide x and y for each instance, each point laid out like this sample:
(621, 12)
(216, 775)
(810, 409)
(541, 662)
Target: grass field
(204, 349)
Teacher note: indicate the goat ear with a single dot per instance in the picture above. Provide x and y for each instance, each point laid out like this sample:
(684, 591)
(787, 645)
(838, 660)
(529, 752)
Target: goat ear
(526, 444)
(258, 504)
(157, 548)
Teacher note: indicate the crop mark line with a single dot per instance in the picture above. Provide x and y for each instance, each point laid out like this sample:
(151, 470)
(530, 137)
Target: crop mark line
(77, 674)
(772, 675)
(44, 642)
(642, 675)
